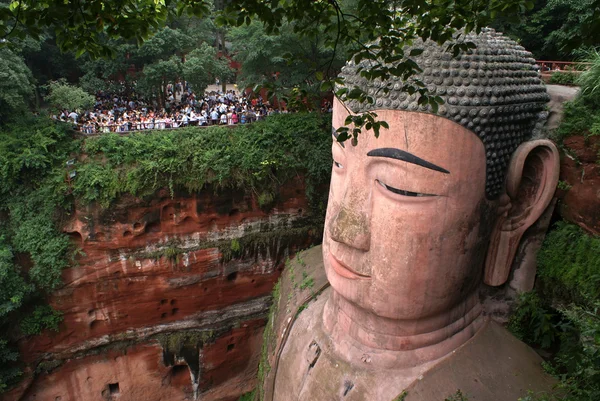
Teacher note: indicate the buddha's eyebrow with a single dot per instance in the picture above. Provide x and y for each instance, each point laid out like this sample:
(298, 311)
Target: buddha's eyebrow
(402, 155)
(335, 135)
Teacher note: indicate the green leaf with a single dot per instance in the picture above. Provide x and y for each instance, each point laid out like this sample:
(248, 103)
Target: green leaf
(416, 52)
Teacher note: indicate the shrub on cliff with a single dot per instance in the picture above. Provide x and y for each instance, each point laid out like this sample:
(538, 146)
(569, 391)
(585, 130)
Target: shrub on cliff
(563, 78)
(582, 115)
(33, 251)
(255, 157)
(562, 315)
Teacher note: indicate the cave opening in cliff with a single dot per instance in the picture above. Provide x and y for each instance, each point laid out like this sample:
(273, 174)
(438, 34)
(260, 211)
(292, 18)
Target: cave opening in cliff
(179, 370)
(113, 389)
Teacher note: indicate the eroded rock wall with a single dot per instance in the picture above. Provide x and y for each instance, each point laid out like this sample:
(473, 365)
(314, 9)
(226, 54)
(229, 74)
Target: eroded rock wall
(168, 297)
(580, 175)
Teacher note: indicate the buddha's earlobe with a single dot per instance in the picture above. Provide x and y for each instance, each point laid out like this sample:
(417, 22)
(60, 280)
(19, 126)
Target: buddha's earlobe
(530, 184)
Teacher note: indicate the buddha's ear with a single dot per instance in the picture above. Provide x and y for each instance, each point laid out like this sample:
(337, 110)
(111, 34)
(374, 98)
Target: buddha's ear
(530, 184)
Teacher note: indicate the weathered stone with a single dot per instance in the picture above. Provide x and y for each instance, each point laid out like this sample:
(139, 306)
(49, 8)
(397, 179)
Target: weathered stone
(195, 270)
(580, 170)
(418, 219)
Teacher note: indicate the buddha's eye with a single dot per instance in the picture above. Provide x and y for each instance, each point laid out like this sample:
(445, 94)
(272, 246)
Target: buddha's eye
(402, 191)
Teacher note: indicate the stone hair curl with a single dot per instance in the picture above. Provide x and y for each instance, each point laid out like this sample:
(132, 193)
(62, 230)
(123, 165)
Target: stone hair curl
(494, 90)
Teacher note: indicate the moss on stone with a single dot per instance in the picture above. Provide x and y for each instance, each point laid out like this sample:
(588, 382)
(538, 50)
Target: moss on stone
(174, 342)
(268, 343)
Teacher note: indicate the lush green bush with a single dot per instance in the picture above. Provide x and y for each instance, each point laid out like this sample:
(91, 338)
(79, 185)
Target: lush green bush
(589, 80)
(255, 157)
(32, 196)
(569, 265)
(582, 115)
(580, 118)
(63, 96)
(563, 314)
(563, 78)
(9, 371)
(42, 318)
(247, 396)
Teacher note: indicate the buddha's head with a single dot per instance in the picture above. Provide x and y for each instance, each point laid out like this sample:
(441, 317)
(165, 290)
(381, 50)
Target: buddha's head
(419, 217)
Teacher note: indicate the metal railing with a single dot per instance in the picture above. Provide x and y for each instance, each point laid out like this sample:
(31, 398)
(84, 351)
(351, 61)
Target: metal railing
(125, 128)
(548, 67)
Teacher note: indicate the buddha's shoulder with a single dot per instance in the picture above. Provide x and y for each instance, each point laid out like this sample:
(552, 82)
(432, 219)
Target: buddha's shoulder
(493, 365)
(301, 283)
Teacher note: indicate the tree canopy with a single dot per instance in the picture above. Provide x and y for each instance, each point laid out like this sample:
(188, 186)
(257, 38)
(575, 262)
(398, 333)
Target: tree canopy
(556, 29)
(370, 29)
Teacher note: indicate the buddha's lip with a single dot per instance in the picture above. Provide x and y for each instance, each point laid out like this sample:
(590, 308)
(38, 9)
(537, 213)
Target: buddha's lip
(344, 270)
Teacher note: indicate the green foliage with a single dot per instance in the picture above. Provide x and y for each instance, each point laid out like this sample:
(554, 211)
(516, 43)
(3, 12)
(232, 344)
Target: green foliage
(589, 80)
(569, 264)
(582, 115)
(563, 314)
(81, 27)
(63, 96)
(578, 360)
(531, 396)
(563, 78)
(357, 26)
(102, 74)
(173, 53)
(43, 317)
(189, 159)
(307, 281)
(268, 342)
(554, 29)
(402, 396)
(32, 199)
(375, 31)
(172, 253)
(15, 288)
(175, 341)
(9, 371)
(579, 118)
(248, 396)
(202, 66)
(235, 246)
(458, 396)
(563, 185)
(289, 65)
(16, 84)
(532, 322)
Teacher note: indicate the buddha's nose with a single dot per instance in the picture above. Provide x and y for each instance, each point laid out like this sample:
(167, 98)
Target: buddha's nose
(351, 226)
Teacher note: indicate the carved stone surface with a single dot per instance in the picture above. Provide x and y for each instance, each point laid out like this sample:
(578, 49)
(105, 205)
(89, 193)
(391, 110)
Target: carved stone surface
(417, 220)
(495, 91)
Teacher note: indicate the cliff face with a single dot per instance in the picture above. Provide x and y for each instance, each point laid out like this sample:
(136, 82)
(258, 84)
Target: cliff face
(168, 298)
(580, 170)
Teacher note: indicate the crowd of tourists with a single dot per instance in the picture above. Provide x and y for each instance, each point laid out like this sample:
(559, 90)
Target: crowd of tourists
(118, 113)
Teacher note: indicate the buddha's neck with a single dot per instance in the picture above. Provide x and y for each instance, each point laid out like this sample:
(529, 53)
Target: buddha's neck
(406, 342)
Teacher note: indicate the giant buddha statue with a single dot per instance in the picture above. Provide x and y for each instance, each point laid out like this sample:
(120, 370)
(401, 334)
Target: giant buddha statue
(418, 220)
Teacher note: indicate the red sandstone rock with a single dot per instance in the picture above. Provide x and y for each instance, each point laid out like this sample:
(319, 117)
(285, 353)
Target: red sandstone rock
(579, 168)
(204, 263)
(139, 373)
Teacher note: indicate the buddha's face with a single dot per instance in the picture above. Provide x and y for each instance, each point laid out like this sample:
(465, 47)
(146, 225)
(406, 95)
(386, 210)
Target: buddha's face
(404, 236)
